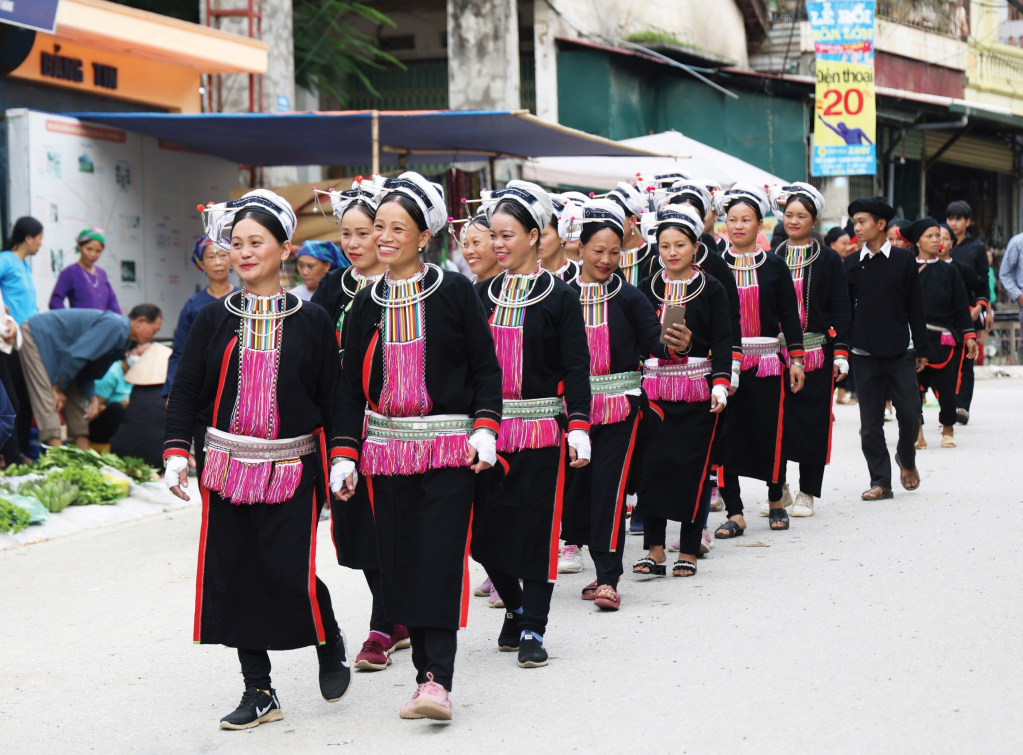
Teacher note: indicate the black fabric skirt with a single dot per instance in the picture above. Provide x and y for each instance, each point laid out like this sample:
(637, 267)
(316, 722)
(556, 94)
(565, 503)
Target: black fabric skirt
(422, 529)
(678, 459)
(256, 585)
(752, 438)
(807, 419)
(351, 525)
(522, 522)
(595, 494)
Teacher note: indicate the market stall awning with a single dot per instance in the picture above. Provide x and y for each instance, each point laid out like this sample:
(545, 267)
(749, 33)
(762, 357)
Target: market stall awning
(684, 155)
(346, 138)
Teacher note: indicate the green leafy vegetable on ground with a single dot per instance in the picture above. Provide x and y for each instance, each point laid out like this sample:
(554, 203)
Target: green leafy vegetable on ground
(93, 487)
(56, 495)
(12, 518)
(137, 469)
(69, 457)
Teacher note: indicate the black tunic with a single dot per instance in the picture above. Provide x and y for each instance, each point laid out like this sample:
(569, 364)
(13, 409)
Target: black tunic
(257, 584)
(595, 494)
(752, 437)
(422, 520)
(351, 521)
(946, 305)
(807, 420)
(521, 525)
(678, 451)
(887, 302)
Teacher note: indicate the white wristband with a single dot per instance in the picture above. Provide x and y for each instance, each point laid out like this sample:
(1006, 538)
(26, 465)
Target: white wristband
(721, 392)
(486, 446)
(843, 365)
(172, 475)
(580, 441)
(340, 471)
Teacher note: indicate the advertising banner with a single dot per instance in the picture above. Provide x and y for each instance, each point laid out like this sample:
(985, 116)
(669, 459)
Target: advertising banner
(40, 15)
(845, 117)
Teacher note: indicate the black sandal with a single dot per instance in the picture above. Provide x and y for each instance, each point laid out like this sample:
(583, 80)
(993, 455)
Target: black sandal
(730, 528)
(656, 569)
(779, 515)
(683, 566)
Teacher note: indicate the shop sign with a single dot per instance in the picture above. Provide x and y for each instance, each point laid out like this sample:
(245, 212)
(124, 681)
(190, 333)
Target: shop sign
(845, 115)
(66, 68)
(40, 15)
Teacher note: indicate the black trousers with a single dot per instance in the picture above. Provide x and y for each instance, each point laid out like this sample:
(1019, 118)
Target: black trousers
(378, 618)
(433, 652)
(731, 494)
(965, 397)
(256, 662)
(655, 529)
(873, 374)
(533, 597)
(811, 480)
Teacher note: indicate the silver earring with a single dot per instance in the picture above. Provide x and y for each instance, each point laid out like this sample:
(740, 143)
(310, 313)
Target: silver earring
(421, 249)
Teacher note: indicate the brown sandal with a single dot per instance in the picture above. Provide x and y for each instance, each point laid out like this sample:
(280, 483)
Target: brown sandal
(877, 493)
(907, 473)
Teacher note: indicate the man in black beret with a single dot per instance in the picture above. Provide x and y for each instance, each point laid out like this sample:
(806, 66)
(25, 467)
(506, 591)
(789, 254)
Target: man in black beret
(888, 319)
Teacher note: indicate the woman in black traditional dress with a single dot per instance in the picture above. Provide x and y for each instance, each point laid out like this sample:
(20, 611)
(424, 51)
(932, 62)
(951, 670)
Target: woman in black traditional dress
(478, 249)
(418, 350)
(950, 330)
(552, 243)
(825, 315)
(538, 331)
(687, 395)
(637, 252)
(352, 521)
(621, 329)
(253, 390)
(753, 429)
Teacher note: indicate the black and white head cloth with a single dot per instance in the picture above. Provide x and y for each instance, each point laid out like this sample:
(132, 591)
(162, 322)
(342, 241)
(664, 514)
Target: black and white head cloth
(745, 193)
(365, 193)
(692, 191)
(219, 218)
(428, 195)
(568, 228)
(596, 211)
(632, 200)
(782, 194)
(528, 194)
(676, 216)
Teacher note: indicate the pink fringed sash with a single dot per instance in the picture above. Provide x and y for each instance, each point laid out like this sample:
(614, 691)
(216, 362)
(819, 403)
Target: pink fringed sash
(762, 353)
(414, 445)
(508, 343)
(813, 351)
(244, 469)
(256, 413)
(947, 339)
(404, 391)
(530, 423)
(677, 379)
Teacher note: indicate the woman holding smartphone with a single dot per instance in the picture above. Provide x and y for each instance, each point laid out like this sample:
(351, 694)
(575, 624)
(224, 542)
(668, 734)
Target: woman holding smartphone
(621, 330)
(687, 394)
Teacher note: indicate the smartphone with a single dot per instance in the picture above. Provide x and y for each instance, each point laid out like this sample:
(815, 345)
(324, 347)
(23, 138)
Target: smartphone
(673, 315)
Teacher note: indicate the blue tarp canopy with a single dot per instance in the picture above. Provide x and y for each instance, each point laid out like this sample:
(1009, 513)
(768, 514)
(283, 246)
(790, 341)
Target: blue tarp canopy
(345, 138)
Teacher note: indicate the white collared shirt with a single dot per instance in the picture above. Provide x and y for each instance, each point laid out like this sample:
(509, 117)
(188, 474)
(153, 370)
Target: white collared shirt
(886, 250)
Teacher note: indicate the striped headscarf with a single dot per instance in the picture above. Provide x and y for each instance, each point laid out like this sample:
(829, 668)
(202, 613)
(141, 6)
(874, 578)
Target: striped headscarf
(198, 249)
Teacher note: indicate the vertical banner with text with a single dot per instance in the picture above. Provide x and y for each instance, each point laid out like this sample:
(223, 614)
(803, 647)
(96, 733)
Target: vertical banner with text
(845, 116)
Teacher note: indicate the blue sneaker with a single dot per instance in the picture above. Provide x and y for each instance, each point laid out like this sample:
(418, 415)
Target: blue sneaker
(636, 524)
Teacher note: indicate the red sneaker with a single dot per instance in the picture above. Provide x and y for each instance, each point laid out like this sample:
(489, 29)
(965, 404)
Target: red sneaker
(399, 639)
(375, 655)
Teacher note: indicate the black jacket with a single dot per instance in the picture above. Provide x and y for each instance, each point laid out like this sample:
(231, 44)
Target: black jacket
(887, 303)
(973, 253)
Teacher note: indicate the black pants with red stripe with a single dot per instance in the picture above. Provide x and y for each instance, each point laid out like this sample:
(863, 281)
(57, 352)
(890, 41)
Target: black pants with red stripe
(943, 381)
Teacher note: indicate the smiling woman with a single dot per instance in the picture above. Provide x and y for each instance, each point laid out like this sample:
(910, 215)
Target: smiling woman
(253, 394)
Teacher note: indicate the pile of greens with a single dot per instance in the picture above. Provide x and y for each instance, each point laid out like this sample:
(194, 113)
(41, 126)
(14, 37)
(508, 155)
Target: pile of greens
(93, 487)
(12, 518)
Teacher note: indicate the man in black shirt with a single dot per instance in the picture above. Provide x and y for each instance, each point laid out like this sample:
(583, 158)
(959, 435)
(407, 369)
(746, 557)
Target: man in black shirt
(971, 252)
(888, 319)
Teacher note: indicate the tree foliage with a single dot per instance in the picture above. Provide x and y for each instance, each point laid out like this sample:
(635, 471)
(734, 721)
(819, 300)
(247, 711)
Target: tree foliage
(330, 52)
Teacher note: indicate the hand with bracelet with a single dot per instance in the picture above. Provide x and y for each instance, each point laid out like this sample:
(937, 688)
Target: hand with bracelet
(796, 375)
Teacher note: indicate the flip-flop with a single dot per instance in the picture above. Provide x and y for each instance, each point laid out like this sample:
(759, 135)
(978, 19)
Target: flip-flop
(882, 494)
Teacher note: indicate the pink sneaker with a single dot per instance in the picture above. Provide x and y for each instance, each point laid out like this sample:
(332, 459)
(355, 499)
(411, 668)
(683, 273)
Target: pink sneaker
(429, 701)
(484, 589)
(706, 542)
(495, 599)
(399, 639)
(716, 504)
(675, 546)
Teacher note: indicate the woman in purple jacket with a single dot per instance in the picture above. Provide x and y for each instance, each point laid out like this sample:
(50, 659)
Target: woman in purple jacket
(84, 285)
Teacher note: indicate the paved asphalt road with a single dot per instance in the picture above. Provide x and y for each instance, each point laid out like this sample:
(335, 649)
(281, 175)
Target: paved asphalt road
(891, 627)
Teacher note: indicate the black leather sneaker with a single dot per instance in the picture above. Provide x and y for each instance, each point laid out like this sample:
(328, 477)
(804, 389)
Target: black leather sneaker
(508, 640)
(335, 669)
(258, 706)
(531, 652)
